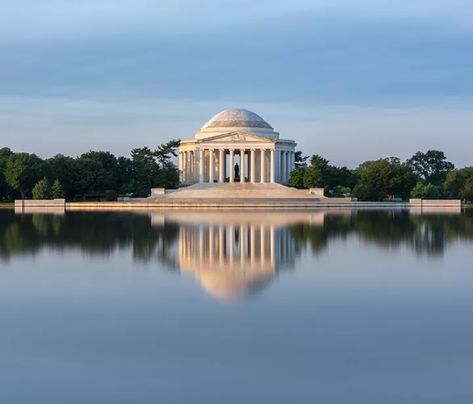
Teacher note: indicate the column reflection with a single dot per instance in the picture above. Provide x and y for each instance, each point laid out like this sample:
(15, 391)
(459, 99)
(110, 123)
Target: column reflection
(232, 261)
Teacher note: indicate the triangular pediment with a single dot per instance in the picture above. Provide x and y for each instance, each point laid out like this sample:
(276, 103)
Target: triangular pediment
(237, 137)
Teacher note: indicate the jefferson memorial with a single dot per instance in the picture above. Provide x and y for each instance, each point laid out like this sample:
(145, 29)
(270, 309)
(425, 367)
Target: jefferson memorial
(236, 145)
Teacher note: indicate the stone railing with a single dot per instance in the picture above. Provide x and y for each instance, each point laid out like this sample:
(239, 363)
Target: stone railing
(425, 203)
(56, 206)
(157, 192)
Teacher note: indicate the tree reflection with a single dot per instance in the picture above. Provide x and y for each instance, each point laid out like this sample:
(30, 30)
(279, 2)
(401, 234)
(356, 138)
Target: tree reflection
(105, 232)
(91, 233)
(426, 234)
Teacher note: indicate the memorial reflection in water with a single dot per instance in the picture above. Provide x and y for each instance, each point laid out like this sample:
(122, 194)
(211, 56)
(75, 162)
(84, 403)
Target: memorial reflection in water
(232, 260)
(231, 253)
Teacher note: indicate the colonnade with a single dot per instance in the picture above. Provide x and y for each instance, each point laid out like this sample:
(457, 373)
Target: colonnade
(243, 246)
(217, 165)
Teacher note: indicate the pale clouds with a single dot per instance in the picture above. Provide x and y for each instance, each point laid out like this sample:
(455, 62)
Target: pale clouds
(346, 135)
(350, 80)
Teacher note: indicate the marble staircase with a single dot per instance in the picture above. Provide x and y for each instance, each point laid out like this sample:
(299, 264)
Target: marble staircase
(238, 190)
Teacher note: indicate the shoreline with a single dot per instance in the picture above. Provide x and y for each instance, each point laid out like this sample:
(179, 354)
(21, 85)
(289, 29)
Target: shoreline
(225, 204)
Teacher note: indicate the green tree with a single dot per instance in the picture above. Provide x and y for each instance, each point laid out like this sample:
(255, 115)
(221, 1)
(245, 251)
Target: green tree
(124, 174)
(56, 190)
(430, 167)
(320, 174)
(340, 190)
(65, 170)
(458, 183)
(22, 171)
(427, 191)
(99, 167)
(384, 179)
(41, 189)
(300, 161)
(154, 168)
(168, 174)
(297, 177)
(315, 174)
(145, 170)
(467, 190)
(5, 152)
(166, 151)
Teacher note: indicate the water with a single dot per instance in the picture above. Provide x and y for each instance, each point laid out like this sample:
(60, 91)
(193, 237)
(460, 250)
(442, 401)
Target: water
(211, 307)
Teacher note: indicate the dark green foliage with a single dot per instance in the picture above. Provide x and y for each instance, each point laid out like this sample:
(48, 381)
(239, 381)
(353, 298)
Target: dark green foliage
(340, 190)
(5, 189)
(459, 184)
(384, 179)
(56, 190)
(297, 177)
(93, 175)
(101, 175)
(41, 189)
(320, 174)
(430, 167)
(64, 169)
(111, 195)
(427, 191)
(22, 171)
(300, 161)
(94, 233)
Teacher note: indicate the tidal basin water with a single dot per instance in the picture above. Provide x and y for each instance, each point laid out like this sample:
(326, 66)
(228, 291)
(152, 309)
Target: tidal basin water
(193, 306)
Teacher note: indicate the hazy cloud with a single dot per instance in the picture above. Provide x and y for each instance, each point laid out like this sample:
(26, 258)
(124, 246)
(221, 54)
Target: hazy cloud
(111, 74)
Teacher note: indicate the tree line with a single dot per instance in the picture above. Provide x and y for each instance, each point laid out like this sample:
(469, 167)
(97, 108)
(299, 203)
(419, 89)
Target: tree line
(93, 175)
(101, 175)
(427, 175)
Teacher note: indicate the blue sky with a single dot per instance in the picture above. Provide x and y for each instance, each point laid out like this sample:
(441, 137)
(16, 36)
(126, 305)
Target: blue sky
(351, 80)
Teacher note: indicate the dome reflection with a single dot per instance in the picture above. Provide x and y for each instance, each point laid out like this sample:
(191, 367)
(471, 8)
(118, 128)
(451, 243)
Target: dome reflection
(231, 261)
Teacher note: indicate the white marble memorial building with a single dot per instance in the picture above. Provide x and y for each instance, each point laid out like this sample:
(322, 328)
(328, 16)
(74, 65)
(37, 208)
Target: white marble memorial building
(236, 145)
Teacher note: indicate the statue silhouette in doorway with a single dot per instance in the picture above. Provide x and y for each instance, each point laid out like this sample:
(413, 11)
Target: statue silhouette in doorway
(237, 171)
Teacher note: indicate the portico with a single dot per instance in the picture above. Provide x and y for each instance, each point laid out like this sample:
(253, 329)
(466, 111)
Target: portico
(236, 146)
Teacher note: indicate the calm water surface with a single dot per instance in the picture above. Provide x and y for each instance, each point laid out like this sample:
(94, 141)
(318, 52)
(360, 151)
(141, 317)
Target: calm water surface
(213, 307)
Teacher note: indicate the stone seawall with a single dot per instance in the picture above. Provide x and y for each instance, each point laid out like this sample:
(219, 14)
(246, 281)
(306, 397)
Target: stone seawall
(225, 203)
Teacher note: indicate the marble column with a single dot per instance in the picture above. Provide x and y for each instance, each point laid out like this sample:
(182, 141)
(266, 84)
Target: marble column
(211, 244)
(263, 167)
(221, 165)
(242, 244)
(283, 166)
(191, 166)
(211, 166)
(231, 243)
(272, 166)
(242, 165)
(188, 167)
(201, 165)
(221, 245)
(262, 244)
(230, 164)
(252, 244)
(201, 244)
(180, 168)
(288, 165)
(252, 166)
(291, 162)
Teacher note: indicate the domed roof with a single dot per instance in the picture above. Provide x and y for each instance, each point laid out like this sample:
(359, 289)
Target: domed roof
(236, 118)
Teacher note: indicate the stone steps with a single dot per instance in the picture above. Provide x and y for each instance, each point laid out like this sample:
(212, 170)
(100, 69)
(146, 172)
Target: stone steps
(239, 191)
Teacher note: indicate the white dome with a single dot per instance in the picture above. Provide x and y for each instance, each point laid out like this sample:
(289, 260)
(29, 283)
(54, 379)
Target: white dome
(236, 118)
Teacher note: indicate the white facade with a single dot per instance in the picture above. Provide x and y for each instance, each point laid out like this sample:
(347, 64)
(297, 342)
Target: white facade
(236, 136)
